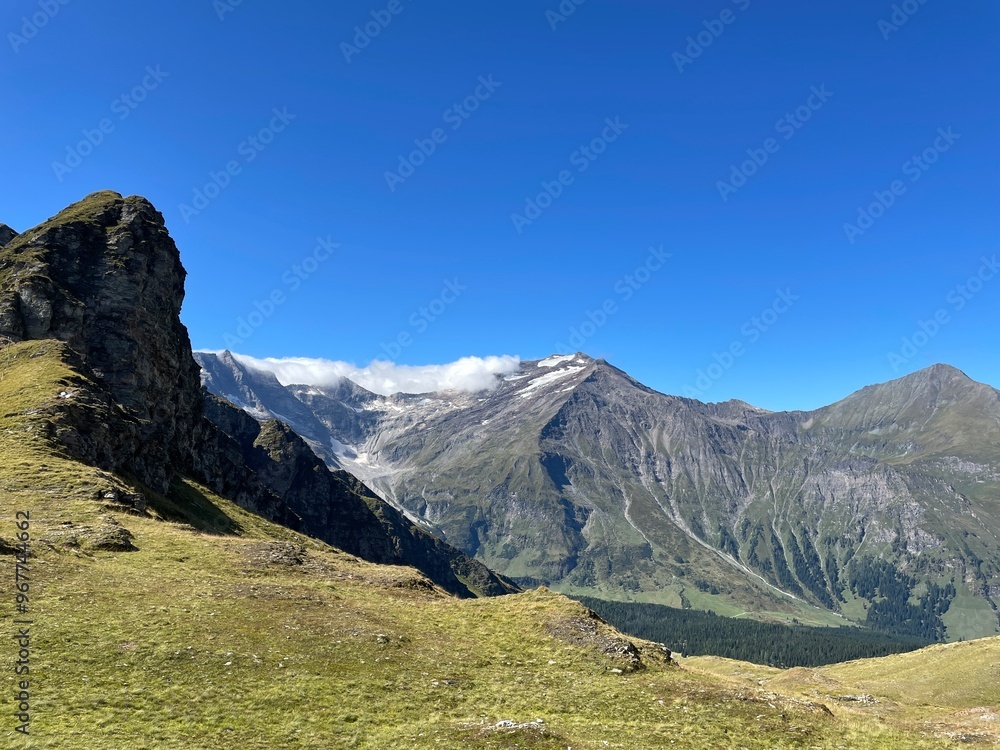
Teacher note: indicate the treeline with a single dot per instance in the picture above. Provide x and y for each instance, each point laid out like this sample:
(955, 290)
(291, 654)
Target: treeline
(890, 591)
(695, 633)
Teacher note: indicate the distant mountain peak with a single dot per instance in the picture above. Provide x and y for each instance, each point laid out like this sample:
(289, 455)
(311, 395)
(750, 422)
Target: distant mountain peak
(741, 406)
(239, 363)
(935, 411)
(932, 380)
(940, 370)
(936, 381)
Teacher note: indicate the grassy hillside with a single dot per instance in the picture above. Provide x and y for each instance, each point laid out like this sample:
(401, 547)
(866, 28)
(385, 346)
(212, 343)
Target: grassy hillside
(948, 690)
(223, 630)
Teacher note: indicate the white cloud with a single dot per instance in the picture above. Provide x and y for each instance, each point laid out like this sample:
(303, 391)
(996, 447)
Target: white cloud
(470, 374)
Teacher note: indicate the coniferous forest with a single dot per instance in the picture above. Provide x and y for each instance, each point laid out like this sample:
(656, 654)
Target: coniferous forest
(696, 633)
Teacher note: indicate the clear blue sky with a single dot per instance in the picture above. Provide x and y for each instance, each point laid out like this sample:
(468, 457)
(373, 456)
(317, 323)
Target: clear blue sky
(885, 93)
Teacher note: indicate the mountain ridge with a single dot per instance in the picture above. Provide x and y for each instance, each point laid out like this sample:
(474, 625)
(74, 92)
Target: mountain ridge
(925, 373)
(571, 473)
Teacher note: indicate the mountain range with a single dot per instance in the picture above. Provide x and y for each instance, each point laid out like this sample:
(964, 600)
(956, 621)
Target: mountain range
(880, 509)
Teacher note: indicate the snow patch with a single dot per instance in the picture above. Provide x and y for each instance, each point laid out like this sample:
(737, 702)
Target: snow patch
(261, 415)
(548, 378)
(556, 360)
(343, 451)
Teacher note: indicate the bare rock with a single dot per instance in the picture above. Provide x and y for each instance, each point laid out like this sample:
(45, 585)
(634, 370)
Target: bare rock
(590, 631)
(6, 234)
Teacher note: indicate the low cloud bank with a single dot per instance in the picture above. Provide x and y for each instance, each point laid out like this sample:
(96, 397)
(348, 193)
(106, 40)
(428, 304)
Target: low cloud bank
(470, 374)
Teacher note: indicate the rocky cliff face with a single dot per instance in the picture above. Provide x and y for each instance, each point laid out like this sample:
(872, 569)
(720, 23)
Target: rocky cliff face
(571, 473)
(104, 278)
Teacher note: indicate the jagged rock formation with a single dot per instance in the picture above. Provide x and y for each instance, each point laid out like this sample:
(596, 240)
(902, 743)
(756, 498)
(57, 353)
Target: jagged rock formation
(882, 507)
(105, 279)
(6, 234)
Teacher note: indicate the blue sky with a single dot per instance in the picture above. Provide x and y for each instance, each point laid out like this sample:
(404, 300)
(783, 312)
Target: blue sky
(737, 138)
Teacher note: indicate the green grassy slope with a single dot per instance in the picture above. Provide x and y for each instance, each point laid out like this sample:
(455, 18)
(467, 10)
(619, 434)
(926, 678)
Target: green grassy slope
(947, 690)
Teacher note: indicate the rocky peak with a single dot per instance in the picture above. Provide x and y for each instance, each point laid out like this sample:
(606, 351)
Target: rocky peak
(222, 371)
(938, 411)
(6, 234)
(348, 391)
(105, 277)
(939, 374)
(734, 410)
(912, 397)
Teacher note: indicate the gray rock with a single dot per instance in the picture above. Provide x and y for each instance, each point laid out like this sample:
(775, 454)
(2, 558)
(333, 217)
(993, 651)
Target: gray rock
(6, 234)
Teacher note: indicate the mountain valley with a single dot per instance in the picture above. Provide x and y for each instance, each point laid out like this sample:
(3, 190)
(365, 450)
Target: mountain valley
(880, 509)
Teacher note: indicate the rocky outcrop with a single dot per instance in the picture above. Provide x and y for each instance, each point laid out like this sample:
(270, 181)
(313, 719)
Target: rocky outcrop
(103, 282)
(105, 277)
(6, 234)
(588, 630)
